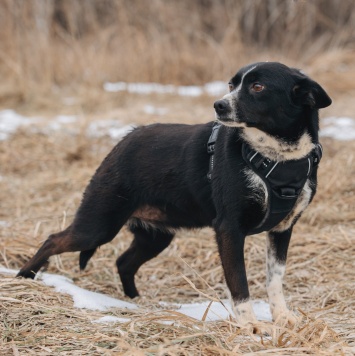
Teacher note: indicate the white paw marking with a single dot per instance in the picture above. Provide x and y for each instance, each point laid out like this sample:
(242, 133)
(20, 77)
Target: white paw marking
(275, 272)
(244, 313)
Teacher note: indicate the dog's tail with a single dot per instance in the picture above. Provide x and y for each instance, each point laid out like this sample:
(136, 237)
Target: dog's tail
(85, 257)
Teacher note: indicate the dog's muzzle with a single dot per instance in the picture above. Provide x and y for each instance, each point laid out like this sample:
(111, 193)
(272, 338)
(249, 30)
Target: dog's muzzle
(223, 110)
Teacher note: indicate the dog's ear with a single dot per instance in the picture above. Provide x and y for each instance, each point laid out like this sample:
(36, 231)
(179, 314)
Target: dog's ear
(308, 92)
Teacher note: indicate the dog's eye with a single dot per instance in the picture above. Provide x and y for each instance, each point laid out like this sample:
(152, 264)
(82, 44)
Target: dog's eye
(257, 87)
(231, 86)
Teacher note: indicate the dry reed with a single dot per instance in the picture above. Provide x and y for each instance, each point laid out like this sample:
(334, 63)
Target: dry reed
(46, 46)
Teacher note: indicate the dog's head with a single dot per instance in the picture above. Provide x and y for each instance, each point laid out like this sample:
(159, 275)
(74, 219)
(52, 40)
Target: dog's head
(270, 97)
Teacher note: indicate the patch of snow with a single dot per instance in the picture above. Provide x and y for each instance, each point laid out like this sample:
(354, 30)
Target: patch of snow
(10, 121)
(189, 90)
(112, 128)
(140, 88)
(115, 87)
(4, 270)
(152, 110)
(262, 310)
(217, 88)
(117, 133)
(66, 119)
(216, 311)
(108, 319)
(222, 310)
(4, 223)
(97, 301)
(83, 298)
(59, 123)
(339, 128)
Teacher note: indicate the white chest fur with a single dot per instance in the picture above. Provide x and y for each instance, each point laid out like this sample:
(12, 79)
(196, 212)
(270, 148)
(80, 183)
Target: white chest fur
(277, 149)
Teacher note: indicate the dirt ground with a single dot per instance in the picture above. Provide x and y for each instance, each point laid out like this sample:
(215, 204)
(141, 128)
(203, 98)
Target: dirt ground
(42, 178)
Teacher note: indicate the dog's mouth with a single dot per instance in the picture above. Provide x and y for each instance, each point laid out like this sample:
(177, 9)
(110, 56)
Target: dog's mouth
(228, 115)
(230, 122)
(224, 119)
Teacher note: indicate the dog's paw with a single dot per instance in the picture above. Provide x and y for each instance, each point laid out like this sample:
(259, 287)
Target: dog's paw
(285, 317)
(244, 313)
(260, 329)
(247, 321)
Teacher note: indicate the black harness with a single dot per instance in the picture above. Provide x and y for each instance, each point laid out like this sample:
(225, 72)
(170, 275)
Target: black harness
(284, 180)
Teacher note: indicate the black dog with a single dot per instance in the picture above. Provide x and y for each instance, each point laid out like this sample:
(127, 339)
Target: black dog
(259, 174)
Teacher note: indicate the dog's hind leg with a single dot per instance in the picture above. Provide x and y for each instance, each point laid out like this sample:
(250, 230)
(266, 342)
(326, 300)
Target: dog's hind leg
(55, 244)
(97, 221)
(85, 257)
(147, 243)
(74, 238)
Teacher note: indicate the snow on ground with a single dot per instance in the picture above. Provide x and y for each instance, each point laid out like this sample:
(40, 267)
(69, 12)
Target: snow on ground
(83, 298)
(222, 310)
(111, 128)
(339, 128)
(217, 88)
(10, 122)
(152, 110)
(108, 319)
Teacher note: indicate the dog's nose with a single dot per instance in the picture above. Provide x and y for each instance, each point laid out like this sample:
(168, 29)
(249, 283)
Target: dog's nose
(221, 106)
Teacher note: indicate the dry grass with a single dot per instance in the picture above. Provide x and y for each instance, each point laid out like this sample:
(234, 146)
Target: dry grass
(50, 46)
(54, 49)
(42, 178)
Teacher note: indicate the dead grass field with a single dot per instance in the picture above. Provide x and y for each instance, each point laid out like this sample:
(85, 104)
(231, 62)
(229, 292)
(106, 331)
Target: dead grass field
(46, 58)
(42, 179)
(49, 46)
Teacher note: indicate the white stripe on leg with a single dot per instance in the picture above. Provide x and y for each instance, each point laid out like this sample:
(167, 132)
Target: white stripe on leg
(274, 277)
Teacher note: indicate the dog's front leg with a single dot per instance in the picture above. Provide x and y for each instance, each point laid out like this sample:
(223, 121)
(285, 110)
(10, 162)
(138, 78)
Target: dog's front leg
(231, 250)
(277, 246)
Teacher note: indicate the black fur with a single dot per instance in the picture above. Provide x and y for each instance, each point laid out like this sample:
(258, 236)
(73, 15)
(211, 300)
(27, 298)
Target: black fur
(156, 179)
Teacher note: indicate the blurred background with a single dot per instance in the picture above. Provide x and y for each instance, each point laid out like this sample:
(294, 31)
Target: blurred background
(55, 48)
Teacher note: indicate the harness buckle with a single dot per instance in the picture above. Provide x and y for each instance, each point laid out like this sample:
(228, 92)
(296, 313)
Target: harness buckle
(213, 138)
(318, 152)
(287, 192)
(266, 162)
(210, 148)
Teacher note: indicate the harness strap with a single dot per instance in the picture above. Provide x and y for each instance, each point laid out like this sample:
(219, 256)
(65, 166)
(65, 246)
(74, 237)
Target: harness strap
(284, 180)
(210, 148)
